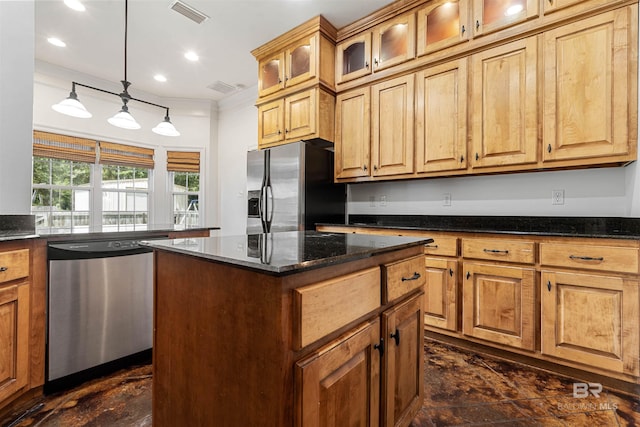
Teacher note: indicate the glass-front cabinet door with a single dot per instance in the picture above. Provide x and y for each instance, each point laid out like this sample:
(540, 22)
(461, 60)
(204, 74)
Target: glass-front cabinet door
(492, 15)
(394, 42)
(353, 58)
(442, 24)
(271, 74)
(301, 61)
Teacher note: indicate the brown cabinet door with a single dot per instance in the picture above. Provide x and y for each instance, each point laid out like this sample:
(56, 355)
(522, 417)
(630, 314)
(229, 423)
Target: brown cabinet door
(394, 42)
(301, 61)
(587, 87)
(442, 24)
(590, 319)
(504, 105)
(441, 117)
(271, 75)
(271, 123)
(493, 15)
(14, 339)
(403, 378)
(392, 125)
(352, 142)
(498, 304)
(340, 383)
(353, 58)
(441, 293)
(300, 115)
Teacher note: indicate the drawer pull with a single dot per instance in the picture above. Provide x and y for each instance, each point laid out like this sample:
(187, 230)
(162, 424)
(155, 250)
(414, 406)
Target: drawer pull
(3, 269)
(415, 276)
(396, 336)
(429, 245)
(380, 347)
(496, 251)
(586, 258)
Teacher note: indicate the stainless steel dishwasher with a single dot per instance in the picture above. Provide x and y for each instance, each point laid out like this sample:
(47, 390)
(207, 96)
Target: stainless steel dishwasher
(100, 307)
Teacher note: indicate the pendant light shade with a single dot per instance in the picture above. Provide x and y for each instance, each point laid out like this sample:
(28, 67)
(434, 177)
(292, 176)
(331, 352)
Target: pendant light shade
(71, 106)
(166, 128)
(123, 119)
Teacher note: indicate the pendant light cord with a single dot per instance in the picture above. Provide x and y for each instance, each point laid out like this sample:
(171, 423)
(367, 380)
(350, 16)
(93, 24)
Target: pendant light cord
(126, 24)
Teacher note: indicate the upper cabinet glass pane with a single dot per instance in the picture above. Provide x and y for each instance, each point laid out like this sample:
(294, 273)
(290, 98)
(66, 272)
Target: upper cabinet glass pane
(443, 22)
(300, 60)
(494, 11)
(353, 58)
(393, 42)
(270, 74)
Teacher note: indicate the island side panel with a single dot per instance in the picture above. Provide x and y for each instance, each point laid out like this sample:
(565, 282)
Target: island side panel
(219, 354)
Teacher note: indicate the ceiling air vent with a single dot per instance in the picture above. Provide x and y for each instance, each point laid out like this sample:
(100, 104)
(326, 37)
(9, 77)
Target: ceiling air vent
(188, 11)
(222, 87)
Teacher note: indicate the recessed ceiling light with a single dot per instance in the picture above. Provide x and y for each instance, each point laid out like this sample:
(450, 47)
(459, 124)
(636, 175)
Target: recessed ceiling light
(191, 56)
(75, 5)
(160, 78)
(56, 42)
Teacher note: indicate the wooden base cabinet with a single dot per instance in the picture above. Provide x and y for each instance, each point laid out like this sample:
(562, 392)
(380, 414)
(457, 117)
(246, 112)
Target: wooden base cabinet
(591, 319)
(498, 304)
(441, 293)
(14, 339)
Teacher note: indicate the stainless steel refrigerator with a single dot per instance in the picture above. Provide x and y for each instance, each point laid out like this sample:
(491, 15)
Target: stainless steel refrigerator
(290, 187)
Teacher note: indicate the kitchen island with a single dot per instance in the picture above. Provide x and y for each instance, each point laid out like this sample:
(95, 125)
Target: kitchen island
(294, 328)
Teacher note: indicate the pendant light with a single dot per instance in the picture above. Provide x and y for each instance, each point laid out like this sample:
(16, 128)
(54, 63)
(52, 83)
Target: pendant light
(122, 119)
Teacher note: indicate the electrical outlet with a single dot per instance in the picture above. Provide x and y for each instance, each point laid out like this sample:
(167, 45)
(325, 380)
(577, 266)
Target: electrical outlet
(372, 201)
(446, 199)
(383, 200)
(557, 197)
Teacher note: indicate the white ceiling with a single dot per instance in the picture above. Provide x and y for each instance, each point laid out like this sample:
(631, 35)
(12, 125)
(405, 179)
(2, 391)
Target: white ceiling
(158, 37)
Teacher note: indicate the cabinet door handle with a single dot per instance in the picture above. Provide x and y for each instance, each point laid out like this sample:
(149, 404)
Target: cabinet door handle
(496, 251)
(451, 272)
(586, 258)
(549, 148)
(550, 1)
(461, 159)
(364, 167)
(375, 62)
(463, 30)
(549, 285)
(366, 64)
(468, 275)
(396, 336)
(3, 269)
(429, 245)
(477, 24)
(279, 131)
(375, 167)
(380, 346)
(477, 156)
(415, 276)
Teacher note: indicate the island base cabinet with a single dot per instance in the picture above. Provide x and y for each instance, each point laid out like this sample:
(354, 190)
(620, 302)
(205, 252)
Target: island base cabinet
(14, 339)
(591, 319)
(403, 373)
(339, 385)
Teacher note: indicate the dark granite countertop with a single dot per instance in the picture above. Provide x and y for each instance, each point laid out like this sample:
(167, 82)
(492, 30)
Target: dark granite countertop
(286, 252)
(16, 227)
(152, 231)
(597, 227)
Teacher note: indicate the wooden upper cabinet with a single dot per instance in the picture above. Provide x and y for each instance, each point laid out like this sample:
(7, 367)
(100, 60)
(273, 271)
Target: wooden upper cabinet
(441, 117)
(353, 134)
(271, 74)
(300, 61)
(353, 58)
(493, 15)
(590, 319)
(504, 105)
(394, 41)
(442, 24)
(271, 122)
(392, 124)
(588, 87)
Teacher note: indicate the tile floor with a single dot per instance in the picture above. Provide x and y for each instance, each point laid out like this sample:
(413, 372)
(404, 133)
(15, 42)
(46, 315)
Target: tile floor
(461, 388)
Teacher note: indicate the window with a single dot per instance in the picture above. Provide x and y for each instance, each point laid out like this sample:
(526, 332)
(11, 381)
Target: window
(125, 198)
(184, 175)
(61, 195)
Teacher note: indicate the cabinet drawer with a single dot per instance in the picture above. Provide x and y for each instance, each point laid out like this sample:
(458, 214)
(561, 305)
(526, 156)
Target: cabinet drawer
(402, 277)
(442, 245)
(499, 250)
(327, 306)
(14, 265)
(590, 257)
